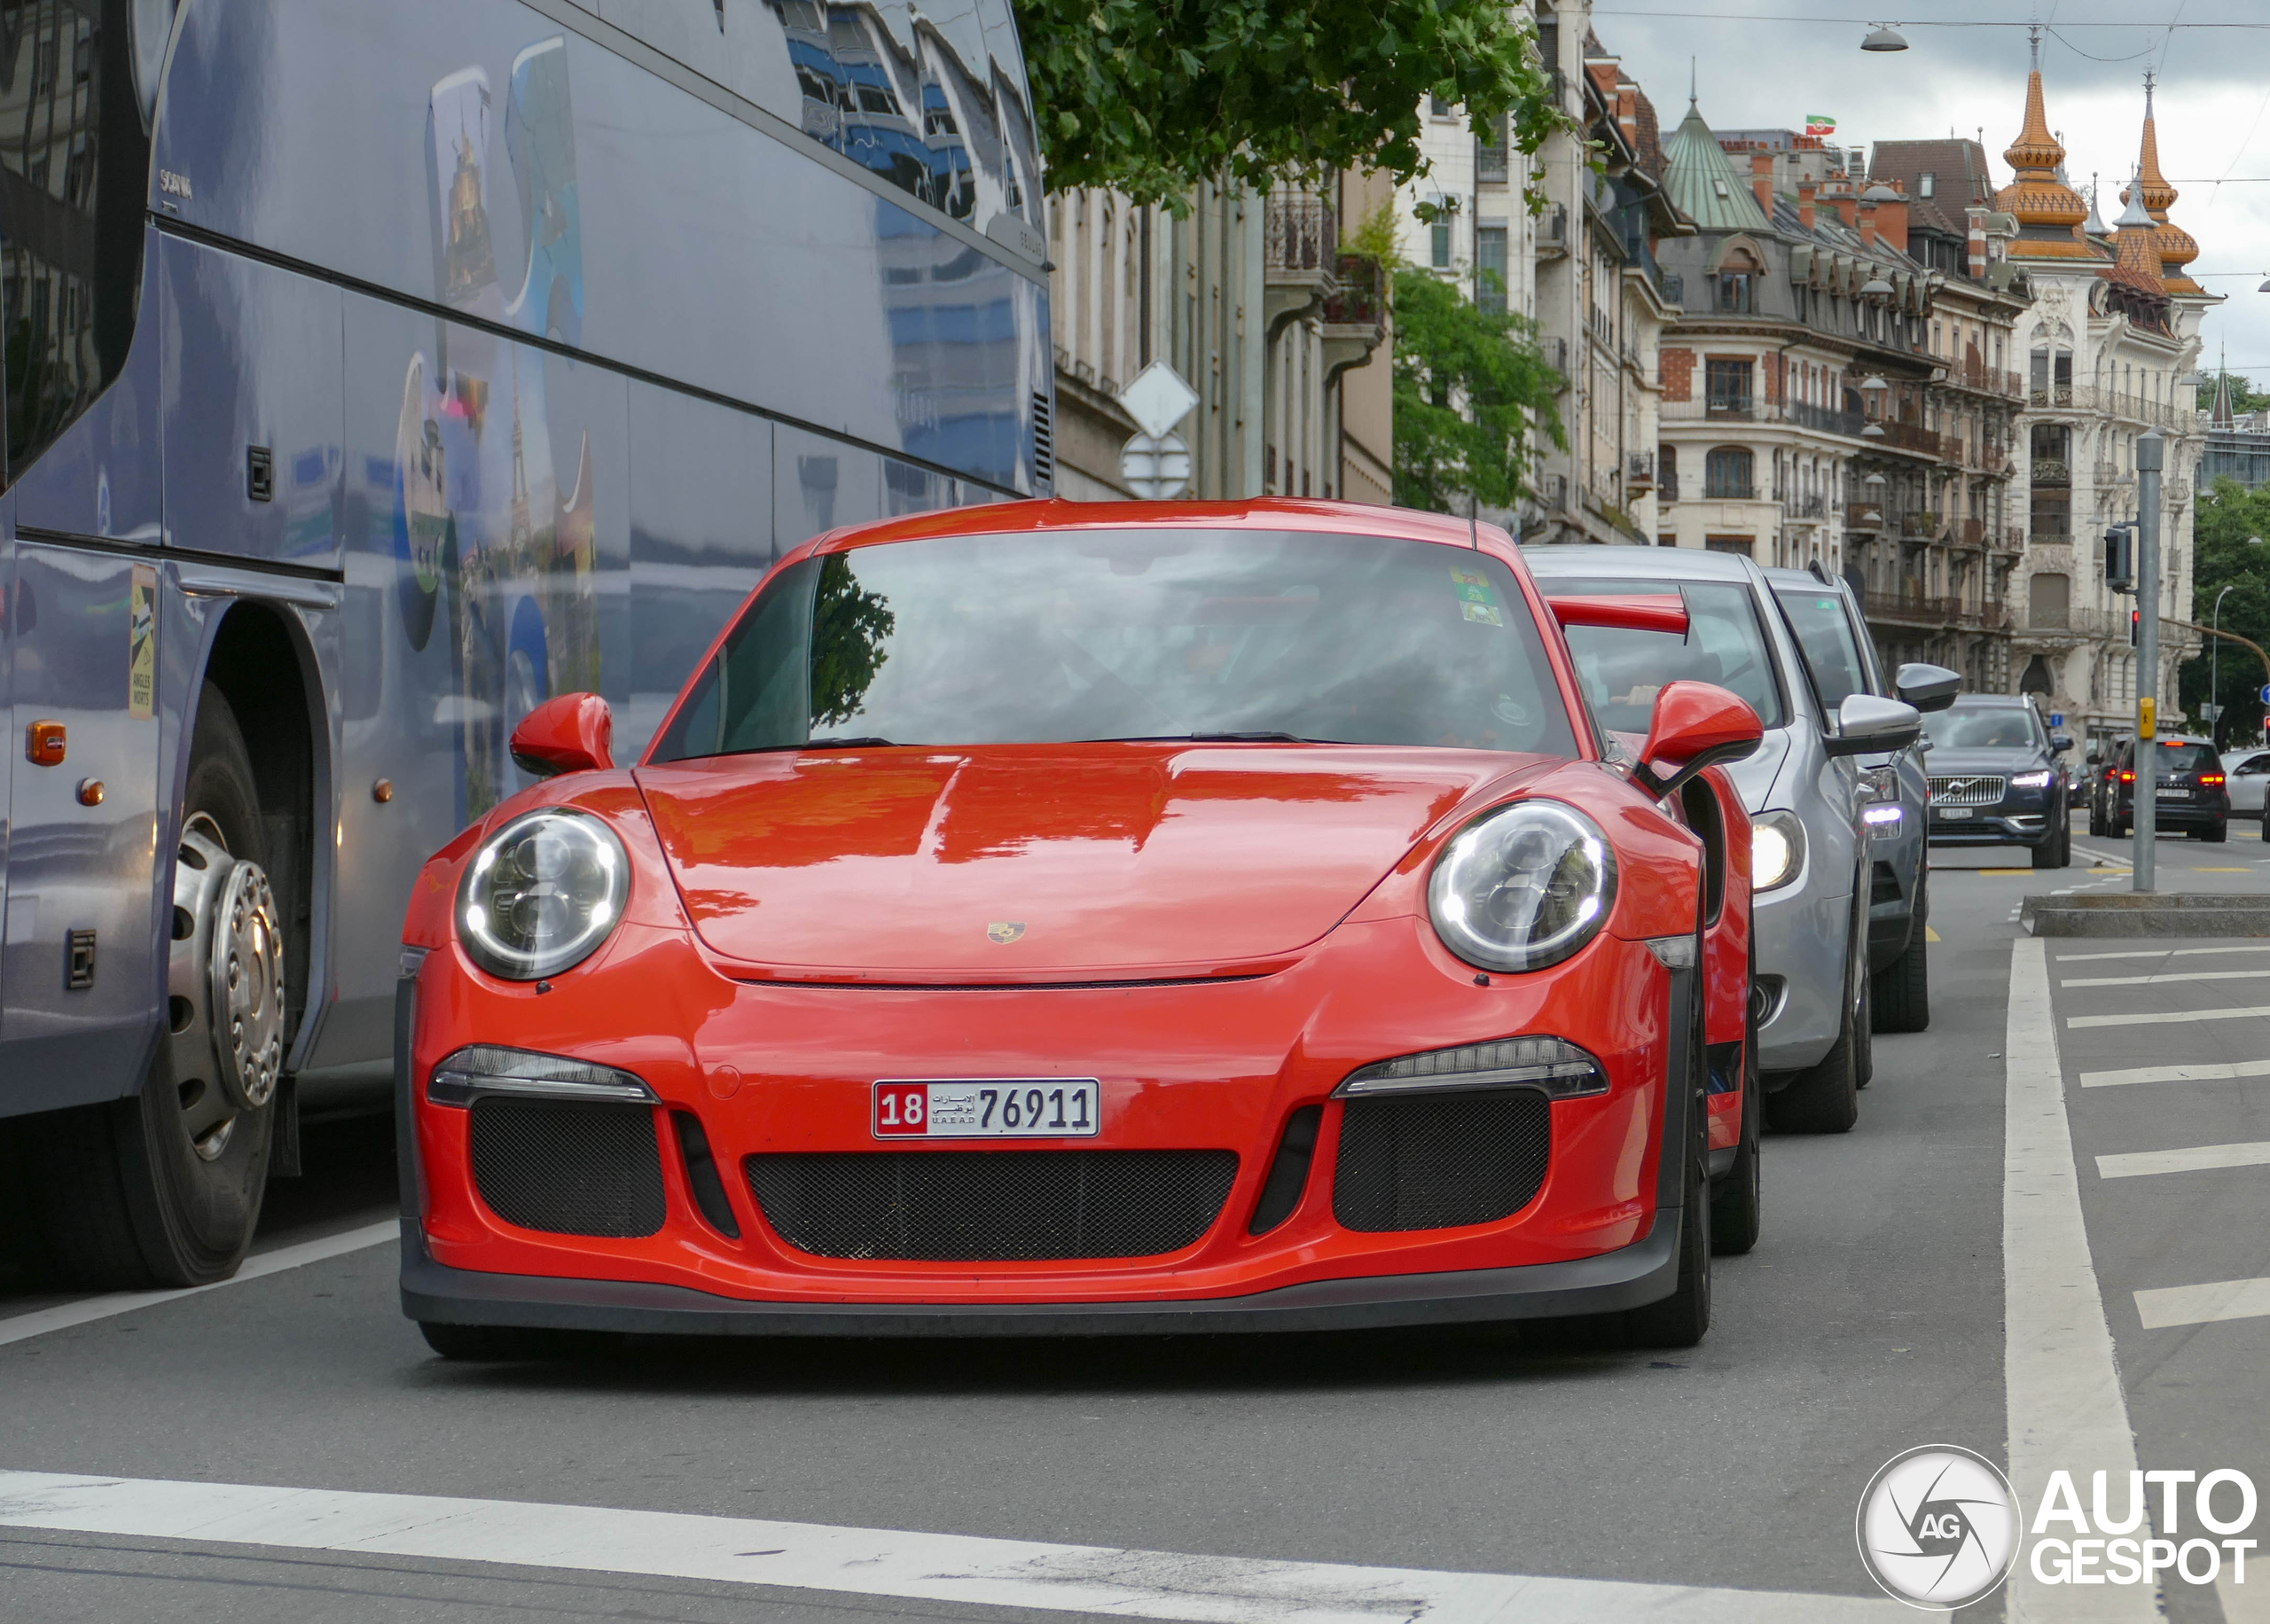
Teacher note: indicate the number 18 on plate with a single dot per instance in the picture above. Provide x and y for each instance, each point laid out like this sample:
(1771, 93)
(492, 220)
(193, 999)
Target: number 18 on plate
(992, 1108)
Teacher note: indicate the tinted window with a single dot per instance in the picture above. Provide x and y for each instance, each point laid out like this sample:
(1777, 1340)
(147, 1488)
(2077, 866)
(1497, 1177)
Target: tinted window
(1825, 632)
(2187, 759)
(2000, 727)
(1622, 671)
(1005, 639)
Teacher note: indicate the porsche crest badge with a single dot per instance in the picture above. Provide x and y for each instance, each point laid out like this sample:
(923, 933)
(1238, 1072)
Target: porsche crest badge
(1006, 930)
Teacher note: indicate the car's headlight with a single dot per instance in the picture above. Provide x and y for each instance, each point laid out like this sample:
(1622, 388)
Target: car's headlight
(1777, 849)
(542, 894)
(1523, 887)
(2031, 781)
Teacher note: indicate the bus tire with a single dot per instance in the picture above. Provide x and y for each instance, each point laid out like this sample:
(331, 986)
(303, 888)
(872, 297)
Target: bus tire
(163, 1188)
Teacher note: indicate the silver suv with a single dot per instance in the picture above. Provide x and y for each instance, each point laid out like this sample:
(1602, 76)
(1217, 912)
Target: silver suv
(1810, 852)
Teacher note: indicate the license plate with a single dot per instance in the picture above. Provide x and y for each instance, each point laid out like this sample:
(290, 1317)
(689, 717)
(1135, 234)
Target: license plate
(1952, 811)
(998, 1108)
(2175, 794)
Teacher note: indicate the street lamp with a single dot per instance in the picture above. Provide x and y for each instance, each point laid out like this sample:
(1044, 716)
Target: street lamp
(2215, 665)
(1884, 36)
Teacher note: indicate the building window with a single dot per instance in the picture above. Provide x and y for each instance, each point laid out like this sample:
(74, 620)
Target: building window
(1928, 185)
(1441, 108)
(1490, 268)
(1735, 295)
(1726, 474)
(1490, 154)
(1744, 545)
(1728, 386)
(1440, 251)
(1667, 473)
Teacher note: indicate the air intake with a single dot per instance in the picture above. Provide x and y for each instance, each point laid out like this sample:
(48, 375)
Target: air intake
(991, 1206)
(1438, 1161)
(569, 1167)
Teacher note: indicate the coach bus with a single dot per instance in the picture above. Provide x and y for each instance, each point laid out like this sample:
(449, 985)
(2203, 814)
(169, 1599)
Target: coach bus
(375, 371)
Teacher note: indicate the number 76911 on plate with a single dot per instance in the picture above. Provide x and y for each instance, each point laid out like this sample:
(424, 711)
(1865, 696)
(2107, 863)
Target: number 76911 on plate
(992, 1108)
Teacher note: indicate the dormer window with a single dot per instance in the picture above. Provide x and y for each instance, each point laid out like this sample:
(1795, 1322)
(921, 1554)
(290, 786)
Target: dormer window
(1927, 186)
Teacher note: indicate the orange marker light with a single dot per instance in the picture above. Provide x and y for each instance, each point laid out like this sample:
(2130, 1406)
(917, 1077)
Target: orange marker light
(45, 742)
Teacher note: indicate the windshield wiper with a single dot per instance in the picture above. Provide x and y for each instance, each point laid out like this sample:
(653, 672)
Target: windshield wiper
(1259, 737)
(841, 744)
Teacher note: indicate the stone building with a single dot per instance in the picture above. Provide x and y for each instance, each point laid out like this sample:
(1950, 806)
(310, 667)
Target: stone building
(1583, 270)
(2107, 347)
(1250, 298)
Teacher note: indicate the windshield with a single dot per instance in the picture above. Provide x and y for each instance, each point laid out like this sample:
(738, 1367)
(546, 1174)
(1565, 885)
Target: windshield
(1622, 671)
(1825, 632)
(1999, 727)
(1099, 634)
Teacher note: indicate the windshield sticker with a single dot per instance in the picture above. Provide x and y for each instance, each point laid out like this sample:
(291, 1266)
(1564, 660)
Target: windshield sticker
(1477, 600)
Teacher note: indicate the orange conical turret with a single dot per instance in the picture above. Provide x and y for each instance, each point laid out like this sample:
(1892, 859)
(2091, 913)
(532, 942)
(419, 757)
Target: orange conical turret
(2049, 212)
(2177, 247)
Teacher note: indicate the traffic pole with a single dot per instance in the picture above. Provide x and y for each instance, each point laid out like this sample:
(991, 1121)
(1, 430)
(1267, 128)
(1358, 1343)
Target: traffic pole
(2151, 455)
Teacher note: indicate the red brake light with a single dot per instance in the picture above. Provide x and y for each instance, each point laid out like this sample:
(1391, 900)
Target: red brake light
(2210, 777)
(2127, 777)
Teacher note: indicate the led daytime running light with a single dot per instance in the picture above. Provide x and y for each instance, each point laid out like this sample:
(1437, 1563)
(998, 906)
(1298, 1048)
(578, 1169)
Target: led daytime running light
(1553, 1064)
(486, 1069)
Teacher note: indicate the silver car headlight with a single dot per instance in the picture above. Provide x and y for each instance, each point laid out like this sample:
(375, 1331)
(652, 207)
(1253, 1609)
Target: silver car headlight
(1777, 849)
(1522, 886)
(542, 894)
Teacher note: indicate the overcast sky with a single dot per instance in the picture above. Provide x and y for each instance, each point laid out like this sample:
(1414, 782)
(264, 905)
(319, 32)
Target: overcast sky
(1756, 68)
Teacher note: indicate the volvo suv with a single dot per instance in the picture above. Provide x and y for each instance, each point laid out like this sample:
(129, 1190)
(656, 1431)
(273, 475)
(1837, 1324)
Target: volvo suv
(1995, 778)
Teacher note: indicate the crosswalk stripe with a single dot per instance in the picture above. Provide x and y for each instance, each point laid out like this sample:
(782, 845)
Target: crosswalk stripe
(2075, 958)
(2175, 1073)
(2192, 1159)
(937, 1567)
(2154, 981)
(2165, 1018)
(64, 1316)
(2203, 1305)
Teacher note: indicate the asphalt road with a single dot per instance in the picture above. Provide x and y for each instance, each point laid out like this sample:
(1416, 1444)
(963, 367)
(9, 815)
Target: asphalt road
(1869, 1320)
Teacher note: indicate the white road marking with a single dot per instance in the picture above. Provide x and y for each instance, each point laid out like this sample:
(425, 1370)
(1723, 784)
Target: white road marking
(945, 1567)
(65, 1316)
(2201, 1305)
(2061, 1387)
(2175, 1073)
(2165, 1018)
(2075, 958)
(2155, 981)
(2192, 1158)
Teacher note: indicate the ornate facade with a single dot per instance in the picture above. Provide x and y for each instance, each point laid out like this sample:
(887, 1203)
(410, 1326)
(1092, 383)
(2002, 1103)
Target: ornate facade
(2109, 344)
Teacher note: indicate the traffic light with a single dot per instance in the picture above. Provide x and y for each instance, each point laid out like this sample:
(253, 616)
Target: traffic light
(2135, 624)
(2120, 558)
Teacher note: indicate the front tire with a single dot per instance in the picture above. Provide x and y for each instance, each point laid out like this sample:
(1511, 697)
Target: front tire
(2055, 850)
(164, 1188)
(1825, 1097)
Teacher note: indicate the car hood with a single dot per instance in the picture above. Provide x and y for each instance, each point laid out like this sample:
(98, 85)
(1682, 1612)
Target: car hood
(1755, 773)
(1941, 761)
(1044, 863)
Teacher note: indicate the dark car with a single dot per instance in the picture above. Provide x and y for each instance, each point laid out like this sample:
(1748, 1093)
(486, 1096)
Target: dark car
(1995, 779)
(2103, 782)
(2192, 795)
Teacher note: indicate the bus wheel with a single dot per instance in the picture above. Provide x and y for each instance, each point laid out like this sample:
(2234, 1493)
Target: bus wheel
(163, 1188)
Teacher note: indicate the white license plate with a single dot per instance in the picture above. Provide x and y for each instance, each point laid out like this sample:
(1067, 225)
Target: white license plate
(996, 1108)
(2175, 794)
(1952, 811)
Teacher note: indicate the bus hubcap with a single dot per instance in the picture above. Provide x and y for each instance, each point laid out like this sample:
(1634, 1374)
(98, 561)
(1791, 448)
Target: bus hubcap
(224, 988)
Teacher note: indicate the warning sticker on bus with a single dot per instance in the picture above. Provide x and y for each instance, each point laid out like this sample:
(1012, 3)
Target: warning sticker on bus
(142, 646)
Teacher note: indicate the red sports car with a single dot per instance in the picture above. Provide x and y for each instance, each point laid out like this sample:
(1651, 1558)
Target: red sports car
(1067, 917)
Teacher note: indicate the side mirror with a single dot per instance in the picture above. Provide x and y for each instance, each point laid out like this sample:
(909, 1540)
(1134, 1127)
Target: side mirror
(1927, 688)
(572, 733)
(1696, 725)
(1866, 725)
(2061, 742)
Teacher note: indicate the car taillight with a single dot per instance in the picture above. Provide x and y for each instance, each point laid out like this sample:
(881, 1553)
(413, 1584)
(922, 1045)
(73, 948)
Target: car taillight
(2210, 777)
(2127, 777)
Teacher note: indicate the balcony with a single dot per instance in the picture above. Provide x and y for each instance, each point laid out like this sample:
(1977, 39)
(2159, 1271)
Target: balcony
(1919, 527)
(2052, 471)
(1986, 380)
(1912, 437)
(1360, 299)
(2071, 624)
(1727, 490)
(1733, 408)
(1815, 506)
(1300, 252)
(2052, 396)
(1553, 231)
(1640, 472)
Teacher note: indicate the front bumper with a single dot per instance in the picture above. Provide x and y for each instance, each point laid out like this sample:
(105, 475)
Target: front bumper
(2022, 818)
(1594, 1239)
(1629, 1278)
(1804, 933)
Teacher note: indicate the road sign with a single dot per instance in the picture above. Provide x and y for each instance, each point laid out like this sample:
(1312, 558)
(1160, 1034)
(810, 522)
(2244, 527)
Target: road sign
(1158, 399)
(2266, 693)
(1156, 467)
(2056, 719)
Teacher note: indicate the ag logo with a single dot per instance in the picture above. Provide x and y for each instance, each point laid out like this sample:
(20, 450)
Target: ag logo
(1006, 930)
(1939, 1528)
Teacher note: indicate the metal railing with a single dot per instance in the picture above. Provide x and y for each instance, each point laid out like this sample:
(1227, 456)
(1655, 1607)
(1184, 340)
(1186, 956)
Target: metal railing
(1728, 490)
(1639, 470)
(1300, 235)
(1361, 298)
(1986, 379)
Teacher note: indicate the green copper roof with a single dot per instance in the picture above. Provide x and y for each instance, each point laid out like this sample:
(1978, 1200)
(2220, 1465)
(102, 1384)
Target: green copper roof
(1703, 183)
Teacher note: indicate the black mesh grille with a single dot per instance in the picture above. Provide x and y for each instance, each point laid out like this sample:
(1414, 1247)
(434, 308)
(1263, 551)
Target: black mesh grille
(1435, 1162)
(571, 1167)
(991, 1206)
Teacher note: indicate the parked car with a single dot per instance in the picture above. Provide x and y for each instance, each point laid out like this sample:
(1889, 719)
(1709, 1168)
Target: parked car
(2191, 794)
(1833, 636)
(2245, 773)
(1810, 865)
(1079, 917)
(2104, 781)
(1995, 778)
